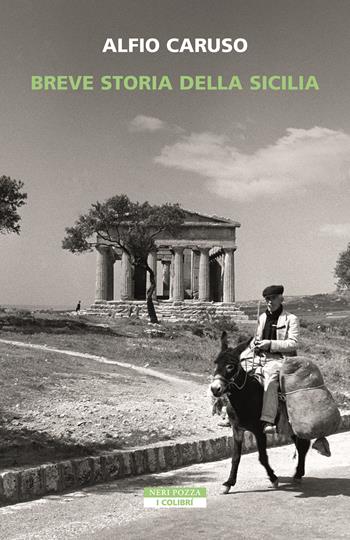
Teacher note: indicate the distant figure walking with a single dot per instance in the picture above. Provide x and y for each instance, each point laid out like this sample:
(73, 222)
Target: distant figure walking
(77, 309)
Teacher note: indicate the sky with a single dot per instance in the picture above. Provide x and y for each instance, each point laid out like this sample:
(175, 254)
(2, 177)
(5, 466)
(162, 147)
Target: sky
(277, 162)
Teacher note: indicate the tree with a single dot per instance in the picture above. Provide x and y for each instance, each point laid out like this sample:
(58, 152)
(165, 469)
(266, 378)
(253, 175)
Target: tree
(131, 227)
(11, 199)
(342, 269)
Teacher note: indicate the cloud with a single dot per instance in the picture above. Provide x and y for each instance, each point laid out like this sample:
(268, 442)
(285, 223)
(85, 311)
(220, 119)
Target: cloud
(341, 230)
(299, 160)
(146, 123)
(142, 124)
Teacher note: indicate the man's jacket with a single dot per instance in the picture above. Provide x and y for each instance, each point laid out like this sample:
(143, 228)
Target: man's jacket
(287, 333)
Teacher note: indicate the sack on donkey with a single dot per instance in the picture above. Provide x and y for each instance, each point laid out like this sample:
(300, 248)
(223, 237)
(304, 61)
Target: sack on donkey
(311, 408)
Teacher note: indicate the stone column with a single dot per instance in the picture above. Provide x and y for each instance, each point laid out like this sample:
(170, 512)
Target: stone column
(204, 274)
(152, 263)
(178, 281)
(229, 276)
(221, 277)
(126, 278)
(104, 273)
(171, 281)
(166, 278)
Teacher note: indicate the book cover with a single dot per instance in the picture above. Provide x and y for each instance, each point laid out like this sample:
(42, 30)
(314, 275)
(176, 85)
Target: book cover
(238, 111)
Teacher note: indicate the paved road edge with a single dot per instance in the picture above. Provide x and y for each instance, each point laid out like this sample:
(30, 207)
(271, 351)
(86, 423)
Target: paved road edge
(18, 485)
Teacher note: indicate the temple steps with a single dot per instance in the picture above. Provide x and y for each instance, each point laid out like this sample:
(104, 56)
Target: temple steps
(187, 311)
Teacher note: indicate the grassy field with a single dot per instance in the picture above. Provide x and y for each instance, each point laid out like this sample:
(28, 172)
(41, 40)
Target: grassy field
(52, 405)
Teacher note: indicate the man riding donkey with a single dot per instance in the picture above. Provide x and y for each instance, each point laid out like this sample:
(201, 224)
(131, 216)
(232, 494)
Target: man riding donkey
(276, 337)
(267, 356)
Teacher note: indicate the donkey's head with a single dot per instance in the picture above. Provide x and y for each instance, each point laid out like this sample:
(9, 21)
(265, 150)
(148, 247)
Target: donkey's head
(227, 365)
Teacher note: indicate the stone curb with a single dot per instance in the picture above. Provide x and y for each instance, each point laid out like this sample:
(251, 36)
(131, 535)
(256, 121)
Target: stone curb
(25, 484)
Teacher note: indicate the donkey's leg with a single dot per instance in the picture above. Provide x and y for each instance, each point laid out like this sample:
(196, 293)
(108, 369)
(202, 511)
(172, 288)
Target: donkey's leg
(264, 460)
(302, 446)
(236, 458)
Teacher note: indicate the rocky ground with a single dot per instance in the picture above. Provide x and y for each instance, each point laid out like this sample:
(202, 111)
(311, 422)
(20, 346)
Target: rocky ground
(63, 406)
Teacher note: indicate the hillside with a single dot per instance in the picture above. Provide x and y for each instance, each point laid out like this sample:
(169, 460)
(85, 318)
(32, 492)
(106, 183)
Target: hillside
(309, 307)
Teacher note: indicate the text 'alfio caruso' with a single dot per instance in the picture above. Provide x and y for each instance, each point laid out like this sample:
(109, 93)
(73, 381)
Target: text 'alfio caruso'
(176, 45)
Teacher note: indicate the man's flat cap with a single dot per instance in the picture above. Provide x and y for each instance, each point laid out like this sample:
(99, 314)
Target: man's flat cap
(273, 290)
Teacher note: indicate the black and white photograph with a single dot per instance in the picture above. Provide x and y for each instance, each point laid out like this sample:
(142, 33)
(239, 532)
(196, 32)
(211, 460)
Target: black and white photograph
(175, 269)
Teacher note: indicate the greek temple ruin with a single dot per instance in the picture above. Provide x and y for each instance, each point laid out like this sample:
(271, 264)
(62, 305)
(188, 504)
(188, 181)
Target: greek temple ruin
(194, 272)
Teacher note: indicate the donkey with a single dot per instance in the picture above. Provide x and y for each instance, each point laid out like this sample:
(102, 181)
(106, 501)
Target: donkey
(245, 395)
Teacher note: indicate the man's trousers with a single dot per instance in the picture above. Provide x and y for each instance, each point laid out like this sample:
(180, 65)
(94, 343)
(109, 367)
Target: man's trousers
(271, 372)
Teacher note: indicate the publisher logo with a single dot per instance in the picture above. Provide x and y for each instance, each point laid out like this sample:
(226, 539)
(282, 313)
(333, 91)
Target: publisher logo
(175, 497)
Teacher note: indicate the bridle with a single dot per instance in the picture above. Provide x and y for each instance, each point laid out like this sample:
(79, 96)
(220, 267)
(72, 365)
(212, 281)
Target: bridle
(231, 381)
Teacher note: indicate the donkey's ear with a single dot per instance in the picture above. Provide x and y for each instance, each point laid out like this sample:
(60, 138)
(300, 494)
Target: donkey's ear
(224, 341)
